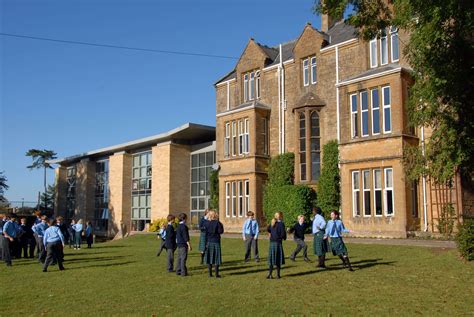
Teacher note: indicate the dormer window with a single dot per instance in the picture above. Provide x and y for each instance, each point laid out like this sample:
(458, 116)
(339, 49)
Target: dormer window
(309, 71)
(380, 46)
(252, 85)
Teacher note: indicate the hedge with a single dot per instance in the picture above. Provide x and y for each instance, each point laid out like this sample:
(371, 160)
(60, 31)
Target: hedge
(281, 169)
(292, 200)
(465, 239)
(214, 190)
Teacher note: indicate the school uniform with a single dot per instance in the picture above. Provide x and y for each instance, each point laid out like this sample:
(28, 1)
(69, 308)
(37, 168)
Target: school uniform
(213, 255)
(77, 235)
(53, 241)
(15, 246)
(250, 235)
(162, 235)
(182, 239)
(320, 245)
(27, 241)
(298, 231)
(276, 257)
(63, 227)
(10, 229)
(89, 236)
(39, 230)
(334, 230)
(70, 231)
(202, 235)
(170, 244)
(2, 223)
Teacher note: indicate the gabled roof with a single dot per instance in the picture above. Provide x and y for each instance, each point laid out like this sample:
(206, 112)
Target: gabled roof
(309, 99)
(341, 32)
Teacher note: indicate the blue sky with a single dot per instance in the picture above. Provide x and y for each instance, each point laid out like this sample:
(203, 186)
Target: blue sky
(72, 98)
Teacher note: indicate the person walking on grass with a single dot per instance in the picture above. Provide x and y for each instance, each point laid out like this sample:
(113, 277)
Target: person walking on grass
(89, 235)
(54, 243)
(298, 231)
(250, 236)
(170, 243)
(162, 235)
(320, 245)
(71, 233)
(184, 245)
(203, 235)
(277, 232)
(78, 227)
(334, 230)
(214, 229)
(39, 230)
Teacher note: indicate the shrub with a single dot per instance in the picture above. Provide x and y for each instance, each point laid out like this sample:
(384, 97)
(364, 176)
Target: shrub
(281, 169)
(465, 239)
(156, 224)
(329, 185)
(292, 200)
(214, 190)
(446, 220)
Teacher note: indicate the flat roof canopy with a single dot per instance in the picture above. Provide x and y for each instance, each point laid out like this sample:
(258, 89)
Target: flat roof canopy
(189, 134)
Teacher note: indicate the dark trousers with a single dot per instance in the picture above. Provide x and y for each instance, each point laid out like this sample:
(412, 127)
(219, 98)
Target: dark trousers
(300, 245)
(170, 259)
(251, 243)
(28, 246)
(181, 268)
(15, 248)
(54, 251)
(41, 249)
(71, 238)
(89, 240)
(77, 239)
(6, 255)
(162, 246)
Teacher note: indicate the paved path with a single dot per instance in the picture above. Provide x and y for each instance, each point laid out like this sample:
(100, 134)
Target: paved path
(406, 242)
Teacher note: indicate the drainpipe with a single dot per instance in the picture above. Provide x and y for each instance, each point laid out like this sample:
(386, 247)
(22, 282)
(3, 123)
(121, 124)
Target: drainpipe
(279, 105)
(283, 104)
(337, 95)
(425, 213)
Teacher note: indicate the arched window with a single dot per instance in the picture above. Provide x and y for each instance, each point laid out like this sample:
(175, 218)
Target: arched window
(302, 146)
(315, 139)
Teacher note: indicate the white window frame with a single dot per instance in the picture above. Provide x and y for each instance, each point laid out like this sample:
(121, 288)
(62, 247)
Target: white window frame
(234, 138)
(257, 84)
(382, 55)
(246, 87)
(227, 140)
(354, 190)
(314, 66)
(373, 58)
(388, 106)
(306, 72)
(356, 134)
(362, 115)
(234, 199)
(246, 147)
(364, 190)
(227, 199)
(385, 190)
(394, 33)
(252, 86)
(377, 189)
(241, 137)
(373, 109)
(240, 199)
(247, 196)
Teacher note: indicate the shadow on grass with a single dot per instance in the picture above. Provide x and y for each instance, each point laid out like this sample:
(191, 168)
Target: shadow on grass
(359, 265)
(105, 246)
(94, 259)
(99, 265)
(303, 273)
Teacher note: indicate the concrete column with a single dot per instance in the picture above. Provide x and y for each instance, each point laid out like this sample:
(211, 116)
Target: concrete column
(120, 187)
(85, 189)
(61, 191)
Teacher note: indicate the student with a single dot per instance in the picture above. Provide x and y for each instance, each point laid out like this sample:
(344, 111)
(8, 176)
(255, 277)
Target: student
(53, 241)
(250, 235)
(320, 245)
(298, 231)
(277, 233)
(78, 227)
(15, 247)
(62, 226)
(27, 241)
(202, 236)
(162, 234)
(39, 230)
(89, 235)
(333, 230)
(214, 229)
(183, 244)
(9, 234)
(3, 220)
(170, 243)
(70, 231)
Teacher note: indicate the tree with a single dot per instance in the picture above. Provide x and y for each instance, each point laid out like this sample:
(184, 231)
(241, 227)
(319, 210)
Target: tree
(3, 183)
(40, 160)
(47, 198)
(439, 51)
(329, 185)
(214, 190)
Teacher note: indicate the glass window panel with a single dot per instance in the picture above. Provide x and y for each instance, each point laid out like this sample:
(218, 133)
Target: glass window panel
(389, 178)
(209, 158)
(135, 213)
(142, 200)
(148, 213)
(202, 174)
(357, 203)
(383, 50)
(367, 211)
(142, 213)
(377, 179)
(373, 53)
(354, 103)
(135, 185)
(194, 160)
(202, 159)
(194, 175)
(366, 175)
(303, 172)
(194, 189)
(302, 145)
(136, 161)
(302, 157)
(202, 189)
(355, 180)
(395, 52)
(315, 144)
(143, 172)
(135, 202)
(389, 202)
(194, 203)
(148, 200)
(386, 96)
(136, 173)
(387, 120)
(364, 100)
(378, 202)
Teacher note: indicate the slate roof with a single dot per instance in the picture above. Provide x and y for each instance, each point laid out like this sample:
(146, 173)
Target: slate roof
(338, 33)
(373, 71)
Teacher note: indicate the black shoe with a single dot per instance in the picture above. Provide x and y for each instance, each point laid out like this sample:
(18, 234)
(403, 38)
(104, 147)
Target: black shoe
(307, 259)
(45, 270)
(257, 260)
(278, 276)
(9, 264)
(269, 277)
(62, 268)
(218, 276)
(246, 260)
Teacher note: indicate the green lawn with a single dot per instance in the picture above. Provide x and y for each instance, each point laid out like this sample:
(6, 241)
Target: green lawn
(126, 278)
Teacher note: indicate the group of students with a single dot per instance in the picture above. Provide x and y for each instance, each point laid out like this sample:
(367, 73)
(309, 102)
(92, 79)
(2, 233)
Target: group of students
(327, 237)
(47, 236)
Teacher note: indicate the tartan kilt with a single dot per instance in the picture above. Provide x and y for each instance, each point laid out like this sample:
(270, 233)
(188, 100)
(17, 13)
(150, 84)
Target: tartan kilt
(338, 247)
(320, 246)
(213, 253)
(202, 241)
(276, 257)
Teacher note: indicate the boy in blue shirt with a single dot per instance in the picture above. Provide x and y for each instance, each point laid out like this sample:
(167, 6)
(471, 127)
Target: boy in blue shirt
(250, 235)
(54, 243)
(162, 234)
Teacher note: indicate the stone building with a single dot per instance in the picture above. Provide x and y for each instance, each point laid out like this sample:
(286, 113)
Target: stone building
(124, 187)
(327, 85)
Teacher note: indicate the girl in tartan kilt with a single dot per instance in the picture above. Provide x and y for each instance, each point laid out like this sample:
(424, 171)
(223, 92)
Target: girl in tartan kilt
(203, 235)
(320, 245)
(276, 257)
(334, 229)
(214, 229)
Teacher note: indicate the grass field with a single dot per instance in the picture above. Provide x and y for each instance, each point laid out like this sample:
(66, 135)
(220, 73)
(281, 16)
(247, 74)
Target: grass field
(123, 278)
